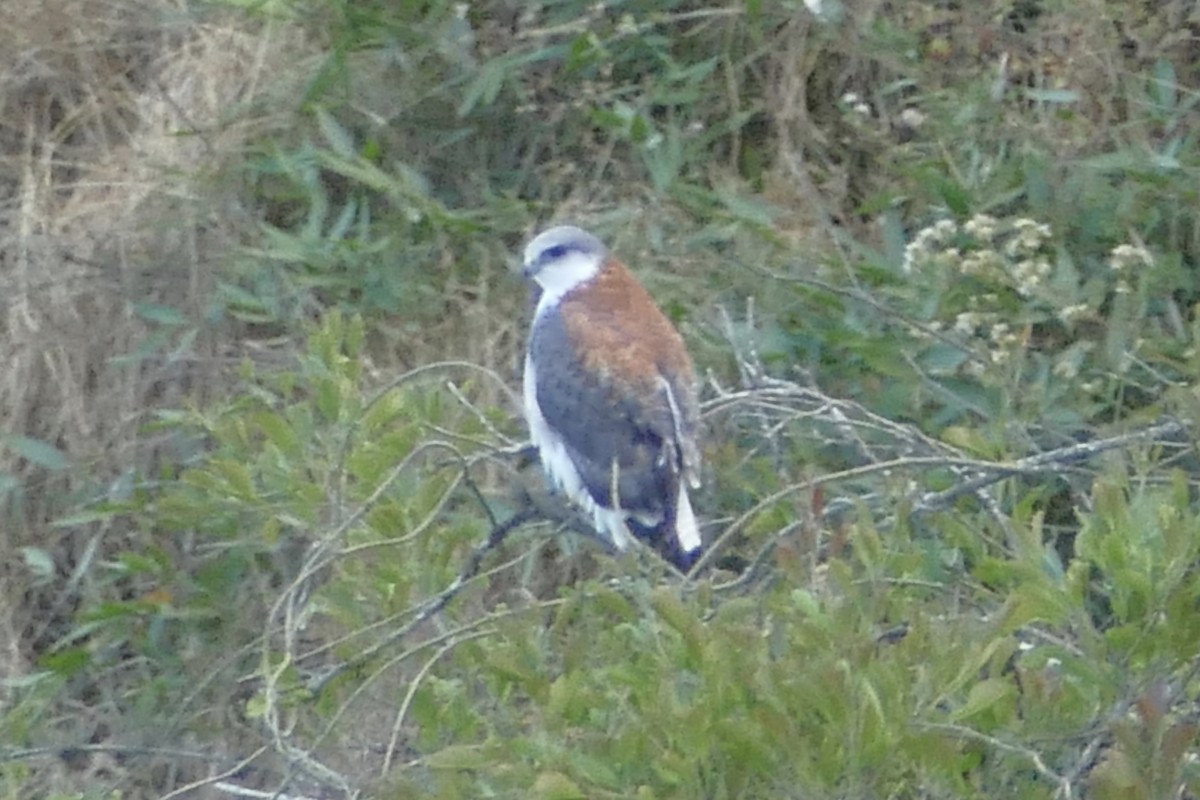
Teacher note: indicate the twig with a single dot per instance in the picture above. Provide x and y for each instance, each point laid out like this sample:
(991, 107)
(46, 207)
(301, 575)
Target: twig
(477, 628)
(1041, 462)
(435, 604)
(964, 732)
(242, 791)
(67, 750)
(235, 769)
(413, 685)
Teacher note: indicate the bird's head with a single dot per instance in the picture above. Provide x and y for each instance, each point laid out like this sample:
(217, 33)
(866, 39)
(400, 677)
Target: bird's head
(561, 258)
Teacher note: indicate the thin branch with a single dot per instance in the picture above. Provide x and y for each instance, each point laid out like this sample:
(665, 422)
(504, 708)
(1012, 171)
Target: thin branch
(413, 685)
(65, 751)
(1043, 462)
(963, 732)
(242, 791)
(438, 602)
(235, 769)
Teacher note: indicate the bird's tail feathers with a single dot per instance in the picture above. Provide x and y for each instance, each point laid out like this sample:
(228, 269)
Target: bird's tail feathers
(687, 530)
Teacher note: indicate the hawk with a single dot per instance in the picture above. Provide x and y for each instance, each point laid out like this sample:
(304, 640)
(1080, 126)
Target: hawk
(610, 397)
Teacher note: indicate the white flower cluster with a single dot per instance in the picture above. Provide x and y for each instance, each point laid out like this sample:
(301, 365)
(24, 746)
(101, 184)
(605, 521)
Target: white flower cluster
(999, 254)
(928, 243)
(982, 226)
(1009, 264)
(1124, 260)
(1005, 252)
(853, 101)
(1127, 257)
(968, 322)
(1029, 237)
(1069, 315)
(1029, 273)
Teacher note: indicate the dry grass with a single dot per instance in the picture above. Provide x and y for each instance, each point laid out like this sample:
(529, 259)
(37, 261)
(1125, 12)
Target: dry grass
(115, 122)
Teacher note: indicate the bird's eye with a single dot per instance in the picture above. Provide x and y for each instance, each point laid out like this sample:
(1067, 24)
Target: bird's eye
(554, 253)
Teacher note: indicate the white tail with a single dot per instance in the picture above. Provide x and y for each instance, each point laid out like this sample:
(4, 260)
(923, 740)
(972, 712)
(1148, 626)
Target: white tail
(686, 529)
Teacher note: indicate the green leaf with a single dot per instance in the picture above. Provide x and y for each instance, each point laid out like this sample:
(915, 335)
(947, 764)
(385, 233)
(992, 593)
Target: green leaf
(747, 208)
(956, 196)
(986, 696)
(671, 609)
(336, 136)
(245, 305)
(556, 786)
(163, 315)
(278, 432)
(84, 518)
(943, 358)
(1116, 777)
(37, 452)
(66, 662)
(40, 563)
(1061, 96)
(1164, 86)
(458, 757)
(256, 706)
(491, 77)
(237, 477)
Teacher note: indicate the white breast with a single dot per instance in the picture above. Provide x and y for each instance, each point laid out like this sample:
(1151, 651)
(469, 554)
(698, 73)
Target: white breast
(561, 470)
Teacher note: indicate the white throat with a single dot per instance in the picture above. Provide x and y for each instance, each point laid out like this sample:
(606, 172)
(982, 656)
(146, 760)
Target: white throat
(563, 275)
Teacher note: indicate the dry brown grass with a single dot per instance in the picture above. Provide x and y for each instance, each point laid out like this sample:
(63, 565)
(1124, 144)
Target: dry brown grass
(116, 120)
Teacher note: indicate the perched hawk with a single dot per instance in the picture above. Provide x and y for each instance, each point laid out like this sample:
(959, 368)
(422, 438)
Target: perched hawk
(610, 396)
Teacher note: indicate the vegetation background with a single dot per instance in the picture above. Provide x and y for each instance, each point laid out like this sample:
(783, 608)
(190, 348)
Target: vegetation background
(937, 262)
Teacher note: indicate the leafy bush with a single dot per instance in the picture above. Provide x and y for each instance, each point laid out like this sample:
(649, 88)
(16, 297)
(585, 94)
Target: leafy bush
(936, 265)
(954, 664)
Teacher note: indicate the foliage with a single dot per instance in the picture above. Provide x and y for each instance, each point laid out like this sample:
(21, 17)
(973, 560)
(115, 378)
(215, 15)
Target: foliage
(915, 248)
(950, 665)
